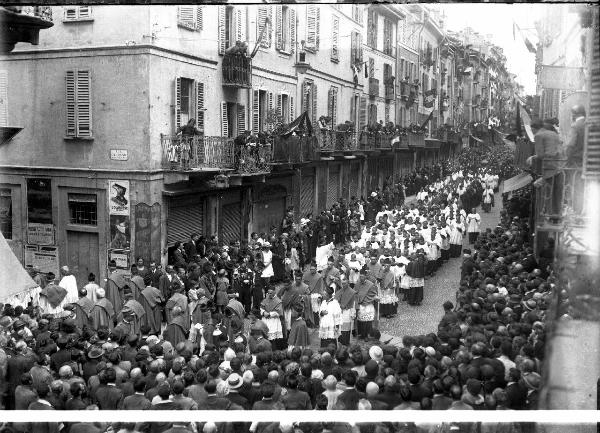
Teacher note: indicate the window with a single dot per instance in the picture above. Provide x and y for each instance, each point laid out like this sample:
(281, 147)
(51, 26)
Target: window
(387, 113)
(372, 29)
(387, 75)
(78, 13)
(6, 213)
(335, 55)
(372, 114)
(262, 104)
(357, 13)
(313, 19)
(332, 102)
(356, 49)
(309, 100)
(371, 68)
(189, 102)
(83, 209)
(78, 103)
(264, 13)
(190, 17)
(388, 37)
(284, 108)
(285, 29)
(233, 119)
(231, 27)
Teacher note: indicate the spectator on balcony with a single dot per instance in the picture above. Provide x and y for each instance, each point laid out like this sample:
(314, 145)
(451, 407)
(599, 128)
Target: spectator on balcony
(575, 142)
(547, 148)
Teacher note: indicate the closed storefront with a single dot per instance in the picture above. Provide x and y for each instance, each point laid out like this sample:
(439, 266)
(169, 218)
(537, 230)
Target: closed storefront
(307, 194)
(333, 185)
(185, 216)
(268, 207)
(353, 179)
(230, 221)
(386, 170)
(372, 176)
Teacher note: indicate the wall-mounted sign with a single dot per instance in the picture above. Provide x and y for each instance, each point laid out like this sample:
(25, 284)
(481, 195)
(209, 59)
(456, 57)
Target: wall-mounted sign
(43, 257)
(119, 154)
(121, 258)
(40, 234)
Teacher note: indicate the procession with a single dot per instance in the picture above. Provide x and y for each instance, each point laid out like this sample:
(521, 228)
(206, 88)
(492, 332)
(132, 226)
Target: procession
(187, 224)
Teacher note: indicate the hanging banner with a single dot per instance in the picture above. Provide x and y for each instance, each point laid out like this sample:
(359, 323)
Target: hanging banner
(118, 197)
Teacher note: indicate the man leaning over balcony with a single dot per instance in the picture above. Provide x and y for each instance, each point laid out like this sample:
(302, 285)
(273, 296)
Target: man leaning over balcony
(185, 134)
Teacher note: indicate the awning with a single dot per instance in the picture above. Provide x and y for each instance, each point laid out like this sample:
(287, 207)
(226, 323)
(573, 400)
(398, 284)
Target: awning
(432, 143)
(517, 182)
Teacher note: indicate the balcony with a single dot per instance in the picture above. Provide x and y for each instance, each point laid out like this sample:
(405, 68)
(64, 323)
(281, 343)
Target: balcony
(369, 141)
(389, 92)
(295, 150)
(198, 152)
(237, 70)
(22, 24)
(404, 90)
(373, 87)
(416, 139)
(337, 141)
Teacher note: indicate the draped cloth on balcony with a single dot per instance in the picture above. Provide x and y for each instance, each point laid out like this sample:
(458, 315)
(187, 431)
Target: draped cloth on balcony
(517, 182)
(301, 125)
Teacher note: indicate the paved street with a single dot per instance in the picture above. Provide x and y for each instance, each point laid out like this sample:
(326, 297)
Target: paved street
(438, 289)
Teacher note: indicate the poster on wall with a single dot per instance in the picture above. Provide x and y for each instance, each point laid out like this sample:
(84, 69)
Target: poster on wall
(118, 197)
(43, 257)
(121, 258)
(120, 233)
(40, 230)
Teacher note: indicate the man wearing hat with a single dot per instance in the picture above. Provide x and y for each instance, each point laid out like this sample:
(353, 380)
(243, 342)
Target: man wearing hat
(330, 315)
(366, 294)
(389, 299)
(103, 312)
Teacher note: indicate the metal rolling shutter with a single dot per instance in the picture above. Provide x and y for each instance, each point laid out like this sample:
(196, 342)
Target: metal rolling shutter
(354, 173)
(591, 168)
(307, 195)
(386, 169)
(332, 185)
(185, 216)
(231, 223)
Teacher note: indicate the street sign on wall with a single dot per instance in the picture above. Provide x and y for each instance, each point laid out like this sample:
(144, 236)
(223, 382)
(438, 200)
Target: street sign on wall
(562, 77)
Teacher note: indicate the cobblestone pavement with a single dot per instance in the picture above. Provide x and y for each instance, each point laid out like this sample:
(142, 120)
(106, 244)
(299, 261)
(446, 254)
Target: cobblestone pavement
(423, 319)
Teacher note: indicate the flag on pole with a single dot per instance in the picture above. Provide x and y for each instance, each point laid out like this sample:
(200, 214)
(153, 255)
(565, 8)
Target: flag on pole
(429, 98)
(427, 120)
(526, 40)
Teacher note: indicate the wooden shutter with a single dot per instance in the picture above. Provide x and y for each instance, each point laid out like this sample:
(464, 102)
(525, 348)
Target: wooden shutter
(85, 12)
(360, 48)
(231, 222)
(332, 105)
(84, 104)
(263, 13)
(240, 23)
(185, 16)
(177, 103)
(255, 112)
(70, 104)
(221, 29)
(335, 39)
(591, 156)
(353, 49)
(270, 109)
(387, 113)
(362, 114)
(199, 17)
(224, 120)
(307, 195)
(314, 103)
(70, 13)
(292, 109)
(4, 98)
(371, 68)
(241, 118)
(292, 18)
(279, 105)
(279, 27)
(200, 106)
(312, 27)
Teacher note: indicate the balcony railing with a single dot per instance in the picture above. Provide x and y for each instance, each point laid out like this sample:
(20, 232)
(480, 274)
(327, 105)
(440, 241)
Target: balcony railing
(254, 158)
(416, 140)
(375, 141)
(337, 141)
(404, 90)
(389, 92)
(373, 87)
(237, 70)
(197, 152)
(295, 150)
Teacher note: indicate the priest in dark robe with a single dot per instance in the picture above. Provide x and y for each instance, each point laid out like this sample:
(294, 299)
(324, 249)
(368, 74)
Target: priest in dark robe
(258, 341)
(346, 297)
(375, 269)
(316, 284)
(389, 301)
(416, 270)
(272, 314)
(366, 294)
(177, 330)
(178, 299)
(151, 301)
(291, 294)
(234, 318)
(299, 336)
(114, 287)
(103, 312)
(125, 326)
(83, 310)
(137, 283)
(200, 307)
(330, 273)
(134, 308)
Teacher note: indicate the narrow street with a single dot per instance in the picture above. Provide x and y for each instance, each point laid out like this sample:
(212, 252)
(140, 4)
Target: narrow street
(438, 289)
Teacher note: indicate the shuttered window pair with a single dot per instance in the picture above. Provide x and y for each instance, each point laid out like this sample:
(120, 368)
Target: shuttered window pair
(79, 103)
(232, 116)
(309, 100)
(78, 13)
(356, 52)
(285, 29)
(313, 22)
(190, 17)
(372, 29)
(193, 102)
(335, 40)
(4, 98)
(231, 26)
(264, 20)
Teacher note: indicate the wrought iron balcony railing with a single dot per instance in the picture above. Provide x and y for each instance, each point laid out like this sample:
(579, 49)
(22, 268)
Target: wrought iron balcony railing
(197, 152)
(375, 140)
(337, 141)
(295, 150)
(237, 70)
(43, 12)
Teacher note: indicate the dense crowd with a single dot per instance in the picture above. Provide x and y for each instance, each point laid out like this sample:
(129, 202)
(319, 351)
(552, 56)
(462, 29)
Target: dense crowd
(108, 348)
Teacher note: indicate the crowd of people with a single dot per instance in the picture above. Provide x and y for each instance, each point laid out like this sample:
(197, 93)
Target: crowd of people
(226, 330)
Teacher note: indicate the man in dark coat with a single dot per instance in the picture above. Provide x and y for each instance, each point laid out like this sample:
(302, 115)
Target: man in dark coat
(348, 399)
(468, 265)
(114, 287)
(42, 404)
(108, 396)
(152, 300)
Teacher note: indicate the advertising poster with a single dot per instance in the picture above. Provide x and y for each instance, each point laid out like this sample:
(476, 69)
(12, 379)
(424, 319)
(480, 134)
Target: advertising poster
(42, 257)
(121, 258)
(120, 233)
(40, 234)
(118, 197)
